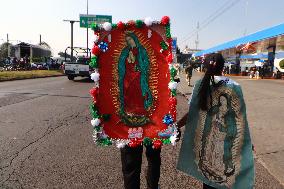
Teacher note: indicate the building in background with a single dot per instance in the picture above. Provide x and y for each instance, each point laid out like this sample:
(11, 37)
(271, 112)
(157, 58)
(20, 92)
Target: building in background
(266, 46)
(36, 53)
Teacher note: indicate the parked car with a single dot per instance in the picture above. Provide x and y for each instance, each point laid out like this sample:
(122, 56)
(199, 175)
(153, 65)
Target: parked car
(80, 67)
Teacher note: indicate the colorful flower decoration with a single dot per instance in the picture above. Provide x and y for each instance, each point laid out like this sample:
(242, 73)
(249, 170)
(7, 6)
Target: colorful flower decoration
(173, 139)
(122, 143)
(94, 93)
(168, 33)
(95, 27)
(120, 25)
(157, 144)
(95, 76)
(139, 23)
(130, 24)
(96, 50)
(114, 26)
(173, 85)
(107, 26)
(96, 122)
(163, 45)
(96, 38)
(147, 141)
(148, 21)
(135, 143)
(94, 62)
(173, 73)
(103, 46)
(168, 119)
(165, 20)
(170, 58)
(167, 133)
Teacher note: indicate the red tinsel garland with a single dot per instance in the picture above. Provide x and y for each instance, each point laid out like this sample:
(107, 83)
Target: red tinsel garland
(96, 50)
(165, 20)
(157, 144)
(120, 25)
(94, 93)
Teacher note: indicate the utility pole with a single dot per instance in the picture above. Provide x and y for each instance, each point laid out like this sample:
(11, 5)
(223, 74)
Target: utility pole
(197, 36)
(72, 26)
(39, 39)
(8, 46)
(87, 29)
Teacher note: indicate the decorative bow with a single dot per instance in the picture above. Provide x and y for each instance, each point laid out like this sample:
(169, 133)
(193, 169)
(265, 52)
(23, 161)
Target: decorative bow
(168, 119)
(103, 46)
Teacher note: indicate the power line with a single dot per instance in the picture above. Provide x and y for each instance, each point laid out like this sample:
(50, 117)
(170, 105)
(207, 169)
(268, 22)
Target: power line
(212, 18)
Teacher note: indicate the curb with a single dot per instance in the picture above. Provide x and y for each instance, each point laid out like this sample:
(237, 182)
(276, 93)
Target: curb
(15, 79)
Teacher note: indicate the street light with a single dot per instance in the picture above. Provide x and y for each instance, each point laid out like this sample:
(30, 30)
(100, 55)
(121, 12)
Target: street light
(72, 23)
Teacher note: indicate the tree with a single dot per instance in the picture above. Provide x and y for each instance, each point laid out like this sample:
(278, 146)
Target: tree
(62, 54)
(4, 50)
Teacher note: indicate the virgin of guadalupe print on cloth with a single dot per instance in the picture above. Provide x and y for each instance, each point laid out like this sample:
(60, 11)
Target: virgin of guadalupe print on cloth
(134, 96)
(217, 147)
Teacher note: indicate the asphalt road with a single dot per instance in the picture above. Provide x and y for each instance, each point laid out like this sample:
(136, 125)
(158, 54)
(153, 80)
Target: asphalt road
(46, 142)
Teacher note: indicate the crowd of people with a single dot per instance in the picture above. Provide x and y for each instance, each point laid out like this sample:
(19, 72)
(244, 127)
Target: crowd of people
(254, 72)
(25, 63)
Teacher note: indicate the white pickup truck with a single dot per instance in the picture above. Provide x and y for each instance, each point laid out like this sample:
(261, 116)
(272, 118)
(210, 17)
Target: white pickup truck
(78, 68)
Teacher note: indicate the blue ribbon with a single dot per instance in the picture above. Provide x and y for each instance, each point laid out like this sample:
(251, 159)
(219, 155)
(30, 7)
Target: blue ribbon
(103, 46)
(168, 119)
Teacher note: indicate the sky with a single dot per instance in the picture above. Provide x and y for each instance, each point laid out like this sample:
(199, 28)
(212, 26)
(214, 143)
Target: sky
(25, 20)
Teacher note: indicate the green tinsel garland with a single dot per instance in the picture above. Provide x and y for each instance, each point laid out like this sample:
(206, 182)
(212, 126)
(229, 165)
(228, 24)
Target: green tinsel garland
(174, 92)
(173, 73)
(104, 142)
(147, 141)
(163, 45)
(94, 62)
(94, 111)
(168, 31)
(166, 141)
(114, 26)
(98, 128)
(95, 27)
(139, 23)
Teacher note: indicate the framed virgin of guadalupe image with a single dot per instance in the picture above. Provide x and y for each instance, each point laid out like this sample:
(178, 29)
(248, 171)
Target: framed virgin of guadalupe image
(134, 92)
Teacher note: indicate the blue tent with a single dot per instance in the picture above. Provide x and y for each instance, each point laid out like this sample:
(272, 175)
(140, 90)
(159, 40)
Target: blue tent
(258, 36)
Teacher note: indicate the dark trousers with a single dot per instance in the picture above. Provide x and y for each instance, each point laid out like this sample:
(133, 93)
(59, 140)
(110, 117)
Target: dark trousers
(131, 159)
(205, 186)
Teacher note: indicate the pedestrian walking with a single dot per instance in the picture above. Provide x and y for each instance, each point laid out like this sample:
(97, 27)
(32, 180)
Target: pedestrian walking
(188, 71)
(216, 147)
(178, 68)
(131, 159)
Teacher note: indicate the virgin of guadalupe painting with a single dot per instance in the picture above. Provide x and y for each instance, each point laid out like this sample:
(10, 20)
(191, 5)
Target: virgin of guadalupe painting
(216, 161)
(135, 96)
(134, 79)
